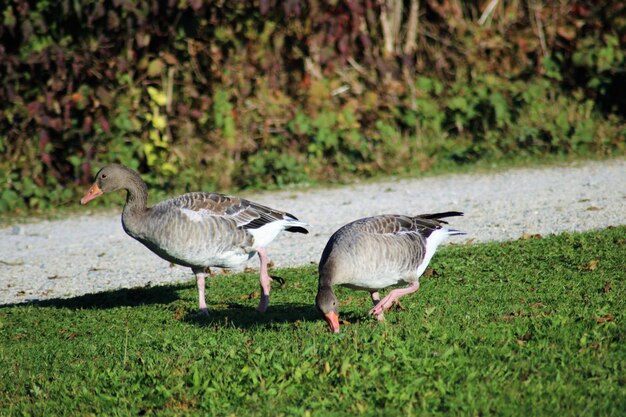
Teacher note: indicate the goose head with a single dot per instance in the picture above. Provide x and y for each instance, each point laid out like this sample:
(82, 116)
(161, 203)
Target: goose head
(108, 179)
(327, 304)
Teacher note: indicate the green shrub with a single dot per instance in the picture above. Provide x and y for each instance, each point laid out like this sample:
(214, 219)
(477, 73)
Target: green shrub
(229, 95)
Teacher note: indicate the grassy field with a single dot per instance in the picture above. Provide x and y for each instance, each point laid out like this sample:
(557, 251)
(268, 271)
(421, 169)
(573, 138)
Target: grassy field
(530, 327)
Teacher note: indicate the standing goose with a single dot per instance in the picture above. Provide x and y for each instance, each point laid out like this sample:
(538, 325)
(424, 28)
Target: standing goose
(198, 230)
(376, 252)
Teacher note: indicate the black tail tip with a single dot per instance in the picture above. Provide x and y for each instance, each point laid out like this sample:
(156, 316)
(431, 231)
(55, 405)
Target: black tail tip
(297, 229)
(437, 216)
(449, 214)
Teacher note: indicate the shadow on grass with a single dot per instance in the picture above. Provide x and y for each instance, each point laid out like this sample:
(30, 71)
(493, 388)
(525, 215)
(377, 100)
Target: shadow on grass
(221, 315)
(128, 297)
(245, 317)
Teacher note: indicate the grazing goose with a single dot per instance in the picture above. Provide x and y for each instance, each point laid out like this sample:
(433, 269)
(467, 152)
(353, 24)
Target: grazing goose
(198, 230)
(376, 252)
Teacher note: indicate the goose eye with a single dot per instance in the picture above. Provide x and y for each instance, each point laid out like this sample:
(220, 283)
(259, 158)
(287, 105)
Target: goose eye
(103, 176)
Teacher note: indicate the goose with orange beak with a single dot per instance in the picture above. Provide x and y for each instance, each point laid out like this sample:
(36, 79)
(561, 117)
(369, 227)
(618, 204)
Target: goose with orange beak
(377, 252)
(198, 230)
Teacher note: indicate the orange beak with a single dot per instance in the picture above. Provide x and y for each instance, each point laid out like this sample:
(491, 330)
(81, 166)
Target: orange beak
(333, 321)
(94, 191)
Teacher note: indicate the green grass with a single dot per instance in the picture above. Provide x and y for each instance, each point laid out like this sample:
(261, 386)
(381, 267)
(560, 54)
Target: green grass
(530, 327)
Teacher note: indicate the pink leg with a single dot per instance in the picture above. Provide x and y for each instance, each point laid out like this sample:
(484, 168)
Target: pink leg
(265, 281)
(376, 300)
(201, 274)
(392, 297)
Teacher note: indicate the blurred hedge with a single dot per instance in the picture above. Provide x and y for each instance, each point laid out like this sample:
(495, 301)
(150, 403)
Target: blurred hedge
(235, 94)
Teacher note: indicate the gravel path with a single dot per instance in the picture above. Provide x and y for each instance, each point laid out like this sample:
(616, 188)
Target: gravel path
(91, 253)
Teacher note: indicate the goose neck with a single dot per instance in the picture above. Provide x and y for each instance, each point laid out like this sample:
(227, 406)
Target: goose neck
(136, 196)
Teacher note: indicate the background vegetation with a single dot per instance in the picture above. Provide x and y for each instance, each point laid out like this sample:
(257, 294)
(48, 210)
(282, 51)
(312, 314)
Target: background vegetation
(532, 327)
(234, 94)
